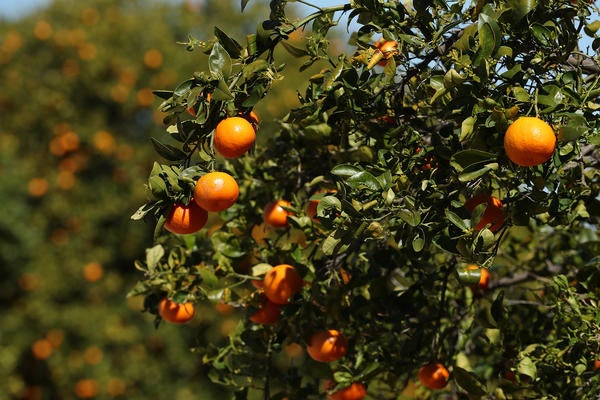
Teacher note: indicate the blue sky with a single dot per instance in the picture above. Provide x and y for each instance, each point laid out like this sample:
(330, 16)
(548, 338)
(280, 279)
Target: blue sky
(16, 8)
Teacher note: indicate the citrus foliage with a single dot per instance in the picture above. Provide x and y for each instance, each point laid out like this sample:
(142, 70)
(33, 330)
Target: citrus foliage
(402, 147)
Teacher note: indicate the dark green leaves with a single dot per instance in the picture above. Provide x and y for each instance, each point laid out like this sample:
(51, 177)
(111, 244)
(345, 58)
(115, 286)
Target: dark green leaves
(219, 62)
(472, 164)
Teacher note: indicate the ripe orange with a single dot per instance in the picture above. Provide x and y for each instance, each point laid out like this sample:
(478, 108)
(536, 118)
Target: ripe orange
(282, 282)
(233, 137)
(529, 141)
(327, 346)
(174, 312)
(596, 365)
(433, 376)
(268, 312)
(186, 219)
(356, 391)
(216, 191)
(86, 388)
(493, 214)
(275, 215)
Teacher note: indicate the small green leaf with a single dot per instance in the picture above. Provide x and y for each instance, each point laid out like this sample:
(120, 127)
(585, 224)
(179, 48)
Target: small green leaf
(363, 179)
(167, 151)
(527, 367)
(153, 256)
(293, 50)
(232, 47)
(469, 276)
(413, 218)
(456, 220)
(469, 381)
(254, 67)
(418, 243)
(345, 170)
(219, 62)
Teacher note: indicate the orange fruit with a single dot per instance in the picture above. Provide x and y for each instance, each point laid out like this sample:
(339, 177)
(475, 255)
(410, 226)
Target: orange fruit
(493, 214)
(174, 312)
(233, 137)
(356, 391)
(184, 219)
(484, 277)
(596, 365)
(268, 312)
(93, 272)
(433, 376)
(529, 141)
(216, 191)
(282, 282)
(275, 215)
(42, 349)
(327, 346)
(86, 388)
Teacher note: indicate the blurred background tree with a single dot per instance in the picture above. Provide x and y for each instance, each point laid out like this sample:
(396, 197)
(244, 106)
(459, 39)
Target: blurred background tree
(76, 114)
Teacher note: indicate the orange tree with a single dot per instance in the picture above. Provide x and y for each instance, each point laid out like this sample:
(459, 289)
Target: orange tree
(400, 143)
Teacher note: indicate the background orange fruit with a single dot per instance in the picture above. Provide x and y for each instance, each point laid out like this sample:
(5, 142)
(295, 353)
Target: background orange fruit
(356, 391)
(268, 312)
(493, 214)
(275, 215)
(233, 137)
(174, 312)
(216, 191)
(327, 346)
(529, 141)
(433, 376)
(186, 219)
(282, 282)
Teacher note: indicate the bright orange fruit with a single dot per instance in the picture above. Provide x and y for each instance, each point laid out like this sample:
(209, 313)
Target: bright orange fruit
(282, 282)
(356, 391)
(216, 191)
(233, 137)
(186, 219)
(529, 141)
(275, 215)
(327, 346)
(174, 312)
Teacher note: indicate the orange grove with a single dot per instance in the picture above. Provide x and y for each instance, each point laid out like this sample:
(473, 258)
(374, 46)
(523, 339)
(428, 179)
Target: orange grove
(216, 191)
(282, 282)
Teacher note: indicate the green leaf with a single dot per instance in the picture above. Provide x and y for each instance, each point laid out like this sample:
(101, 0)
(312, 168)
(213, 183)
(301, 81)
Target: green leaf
(456, 220)
(255, 67)
(293, 50)
(469, 381)
(363, 179)
(527, 367)
(232, 47)
(222, 92)
(168, 152)
(489, 37)
(153, 256)
(521, 8)
(467, 128)
(412, 218)
(469, 276)
(418, 243)
(497, 308)
(219, 62)
(345, 170)
(471, 157)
